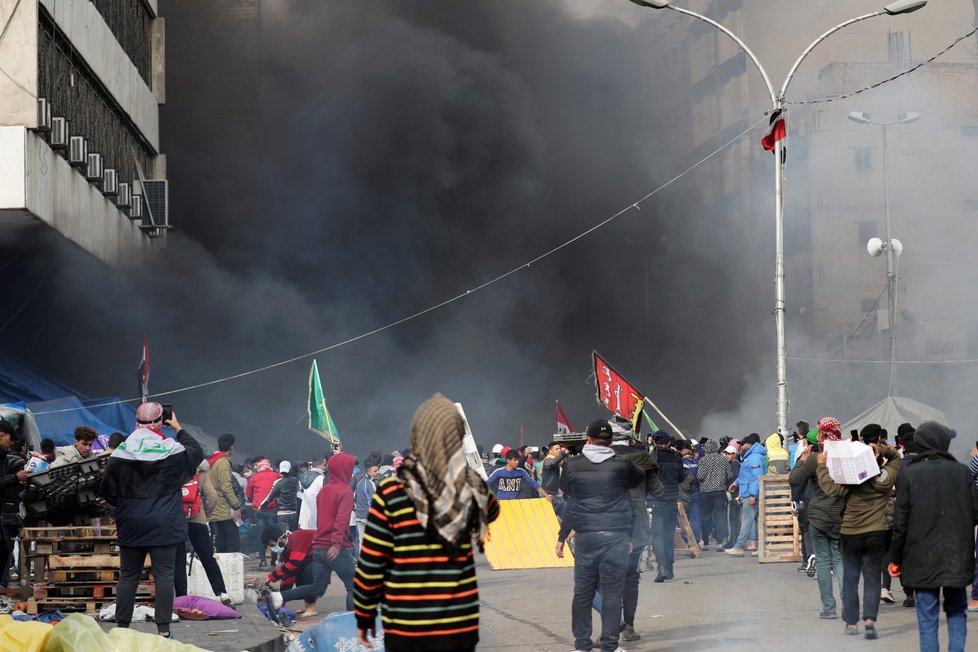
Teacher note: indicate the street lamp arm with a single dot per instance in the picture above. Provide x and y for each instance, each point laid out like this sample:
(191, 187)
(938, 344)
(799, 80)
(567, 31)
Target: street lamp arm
(816, 42)
(738, 40)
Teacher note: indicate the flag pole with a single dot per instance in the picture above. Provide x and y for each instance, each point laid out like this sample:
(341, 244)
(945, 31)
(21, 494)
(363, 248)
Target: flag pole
(665, 418)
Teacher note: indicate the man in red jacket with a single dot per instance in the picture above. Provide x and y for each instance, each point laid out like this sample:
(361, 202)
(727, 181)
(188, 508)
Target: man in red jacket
(259, 486)
(332, 548)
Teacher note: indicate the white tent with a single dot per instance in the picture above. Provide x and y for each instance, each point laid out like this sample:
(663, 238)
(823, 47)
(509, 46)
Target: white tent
(891, 412)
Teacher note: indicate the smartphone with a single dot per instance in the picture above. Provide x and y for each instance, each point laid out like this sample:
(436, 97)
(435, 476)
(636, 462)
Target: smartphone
(167, 412)
(854, 434)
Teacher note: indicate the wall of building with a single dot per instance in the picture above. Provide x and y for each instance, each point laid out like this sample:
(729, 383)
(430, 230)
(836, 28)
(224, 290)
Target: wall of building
(18, 81)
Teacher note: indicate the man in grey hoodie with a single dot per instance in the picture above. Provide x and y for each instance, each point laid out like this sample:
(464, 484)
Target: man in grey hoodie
(600, 512)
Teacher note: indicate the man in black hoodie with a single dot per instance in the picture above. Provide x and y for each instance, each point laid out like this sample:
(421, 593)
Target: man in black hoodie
(933, 534)
(598, 483)
(664, 510)
(12, 478)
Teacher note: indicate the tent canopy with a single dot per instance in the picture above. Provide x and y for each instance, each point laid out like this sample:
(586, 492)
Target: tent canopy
(891, 412)
(58, 418)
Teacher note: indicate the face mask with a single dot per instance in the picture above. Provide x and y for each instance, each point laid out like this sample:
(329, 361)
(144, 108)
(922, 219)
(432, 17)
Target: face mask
(277, 549)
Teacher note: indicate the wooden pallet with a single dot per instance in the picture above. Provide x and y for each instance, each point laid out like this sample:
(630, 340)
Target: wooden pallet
(83, 605)
(73, 547)
(96, 592)
(778, 534)
(70, 533)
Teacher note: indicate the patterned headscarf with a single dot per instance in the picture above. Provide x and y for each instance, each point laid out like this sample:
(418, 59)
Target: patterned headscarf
(149, 415)
(450, 498)
(831, 428)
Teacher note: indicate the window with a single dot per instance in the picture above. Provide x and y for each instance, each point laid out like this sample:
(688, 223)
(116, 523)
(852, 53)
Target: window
(864, 158)
(865, 231)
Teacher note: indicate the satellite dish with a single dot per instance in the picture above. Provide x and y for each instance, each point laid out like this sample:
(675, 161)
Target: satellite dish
(897, 246)
(874, 247)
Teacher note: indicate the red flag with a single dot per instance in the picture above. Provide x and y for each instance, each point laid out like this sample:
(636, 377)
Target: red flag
(613, 391)
(142, 372)
(563, 423)
(776, 131)
(521, 434)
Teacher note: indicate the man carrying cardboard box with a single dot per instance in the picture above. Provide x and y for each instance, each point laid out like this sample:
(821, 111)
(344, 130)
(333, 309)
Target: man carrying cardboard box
(863, 535)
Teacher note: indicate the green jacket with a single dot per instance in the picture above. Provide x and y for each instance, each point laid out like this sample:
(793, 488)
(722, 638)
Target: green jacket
(824, 512)
(221, 477)
(865, 503)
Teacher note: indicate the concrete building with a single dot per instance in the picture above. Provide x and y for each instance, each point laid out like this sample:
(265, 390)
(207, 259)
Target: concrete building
(708, 91)
(81, 82)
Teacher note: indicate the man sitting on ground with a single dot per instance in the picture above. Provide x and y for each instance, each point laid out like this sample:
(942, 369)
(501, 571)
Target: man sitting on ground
(296, 567)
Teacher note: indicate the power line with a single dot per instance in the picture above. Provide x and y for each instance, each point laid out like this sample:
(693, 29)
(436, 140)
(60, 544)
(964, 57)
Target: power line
(823, 100)
(952, 362)
(526, 265)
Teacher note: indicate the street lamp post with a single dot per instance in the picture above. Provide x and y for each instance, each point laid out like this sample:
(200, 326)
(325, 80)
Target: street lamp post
(889, 245)
(778, 104)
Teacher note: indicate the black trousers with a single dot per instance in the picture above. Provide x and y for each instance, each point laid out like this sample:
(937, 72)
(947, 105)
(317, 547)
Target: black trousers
(200, 540)
(714, 515)
(9, 531)
(227, 538)
(862, 554)
(599, 563)
(733, 520)
(664, 515)
(629, 596)
(131, 569)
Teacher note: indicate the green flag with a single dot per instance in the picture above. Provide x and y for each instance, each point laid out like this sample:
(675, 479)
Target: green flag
(319, 420)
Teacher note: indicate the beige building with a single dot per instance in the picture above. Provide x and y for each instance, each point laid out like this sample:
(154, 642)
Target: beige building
(81, 85)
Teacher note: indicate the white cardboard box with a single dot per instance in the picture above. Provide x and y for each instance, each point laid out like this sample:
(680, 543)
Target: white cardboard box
(232, 568)
(850, 462)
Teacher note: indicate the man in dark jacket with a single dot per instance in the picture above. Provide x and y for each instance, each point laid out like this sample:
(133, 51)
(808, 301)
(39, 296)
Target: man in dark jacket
(824, 517)
(664, 511)
(714, 476)
(142, 480)
(550, 476)
(598, 483)
(933, 530)
(626, 447)
(12, 478)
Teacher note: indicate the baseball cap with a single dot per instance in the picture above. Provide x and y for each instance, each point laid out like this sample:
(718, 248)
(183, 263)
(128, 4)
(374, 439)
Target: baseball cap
(496, 449)
(284, 466)
(731, 449)
(599, 429)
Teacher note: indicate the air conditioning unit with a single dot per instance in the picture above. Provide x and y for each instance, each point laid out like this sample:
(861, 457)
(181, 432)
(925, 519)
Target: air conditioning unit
(124, 198)
(77, 151)
(136, 207)
(43, 115)
(59, 134)
(156, 219)
(110, 182)
(94, 171)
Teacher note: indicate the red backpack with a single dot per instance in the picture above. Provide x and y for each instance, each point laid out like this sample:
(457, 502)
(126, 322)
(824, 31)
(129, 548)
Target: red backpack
(191, 498)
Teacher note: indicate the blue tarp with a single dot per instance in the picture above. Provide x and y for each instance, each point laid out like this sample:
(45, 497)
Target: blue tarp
(59, 417)
(21, 382)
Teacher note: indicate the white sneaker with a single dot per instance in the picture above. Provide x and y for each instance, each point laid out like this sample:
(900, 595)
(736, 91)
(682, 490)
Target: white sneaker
(887, 597)
(275, 600)
(225, 599)
(736, 552)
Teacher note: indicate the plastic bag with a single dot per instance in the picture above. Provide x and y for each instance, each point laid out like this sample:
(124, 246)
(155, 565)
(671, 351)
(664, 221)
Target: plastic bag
(127, 640)
(17, 636)
(77, 633)
(338, 631)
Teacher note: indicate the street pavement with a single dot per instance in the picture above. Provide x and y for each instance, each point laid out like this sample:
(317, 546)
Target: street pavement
(716, 602)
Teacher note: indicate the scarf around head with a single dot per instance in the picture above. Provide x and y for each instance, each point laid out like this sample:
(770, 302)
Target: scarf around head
(831, 428)
(450, 498)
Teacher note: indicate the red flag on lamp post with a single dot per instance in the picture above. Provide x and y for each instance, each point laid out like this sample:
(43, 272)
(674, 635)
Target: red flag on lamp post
(777, 131)
(563, 423)
(142, 372)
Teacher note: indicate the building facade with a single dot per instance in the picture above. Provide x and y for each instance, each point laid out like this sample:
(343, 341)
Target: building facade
(81, 85)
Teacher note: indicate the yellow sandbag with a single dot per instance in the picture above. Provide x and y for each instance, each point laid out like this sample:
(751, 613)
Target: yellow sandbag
(22, 636)
(77, 633)
(127, 640)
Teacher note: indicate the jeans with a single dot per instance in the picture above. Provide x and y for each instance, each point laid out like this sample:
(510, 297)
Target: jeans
(131, 569)
(288, 521)
(861, 553)
(600, 559)
(694, 515)
(629, 596)
(714, 516)
(748, 524)
(322, 568)
(664, 514)
(226, 536)
(828, 558)
(928, 616)
(559, 506)
(200, 539)
(806, 535)
(263, 520)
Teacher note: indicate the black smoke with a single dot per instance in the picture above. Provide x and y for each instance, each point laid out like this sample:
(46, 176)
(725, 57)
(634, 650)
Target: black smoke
(355, 163)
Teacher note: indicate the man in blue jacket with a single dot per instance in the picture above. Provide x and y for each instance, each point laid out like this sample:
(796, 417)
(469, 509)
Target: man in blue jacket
(748, 489)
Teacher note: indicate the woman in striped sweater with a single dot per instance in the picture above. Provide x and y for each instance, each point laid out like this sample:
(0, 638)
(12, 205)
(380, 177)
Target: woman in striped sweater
(416, 561)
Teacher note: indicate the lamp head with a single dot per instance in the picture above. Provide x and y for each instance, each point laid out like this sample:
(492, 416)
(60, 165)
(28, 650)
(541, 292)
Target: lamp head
(652, 4)
(874, 247)
(861, 117)
(910, 116)
(903, 6)
(897, 246)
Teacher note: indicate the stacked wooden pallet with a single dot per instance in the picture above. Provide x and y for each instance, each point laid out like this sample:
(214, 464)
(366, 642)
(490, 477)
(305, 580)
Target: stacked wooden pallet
(778, 534)
(75, 568)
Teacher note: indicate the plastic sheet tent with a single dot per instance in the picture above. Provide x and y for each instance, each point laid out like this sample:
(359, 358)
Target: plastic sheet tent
(23, 422)
(59, 417)
(891, 412)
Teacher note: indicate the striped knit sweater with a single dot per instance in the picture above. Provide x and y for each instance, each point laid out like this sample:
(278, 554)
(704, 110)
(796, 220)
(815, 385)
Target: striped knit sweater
(429, 597)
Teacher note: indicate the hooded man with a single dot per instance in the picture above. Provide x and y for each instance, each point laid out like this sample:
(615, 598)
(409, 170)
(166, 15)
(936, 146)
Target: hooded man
(933, 530)
(778, 459)
(143, 480)
(417, 558)
(598, 483)
(332, 548)
(714, 475)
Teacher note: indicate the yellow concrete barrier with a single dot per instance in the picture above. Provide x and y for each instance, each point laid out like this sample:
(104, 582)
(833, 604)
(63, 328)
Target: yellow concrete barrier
(524, 536)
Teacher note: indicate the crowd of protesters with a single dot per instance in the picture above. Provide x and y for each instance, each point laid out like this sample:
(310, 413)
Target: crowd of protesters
(385, 527)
